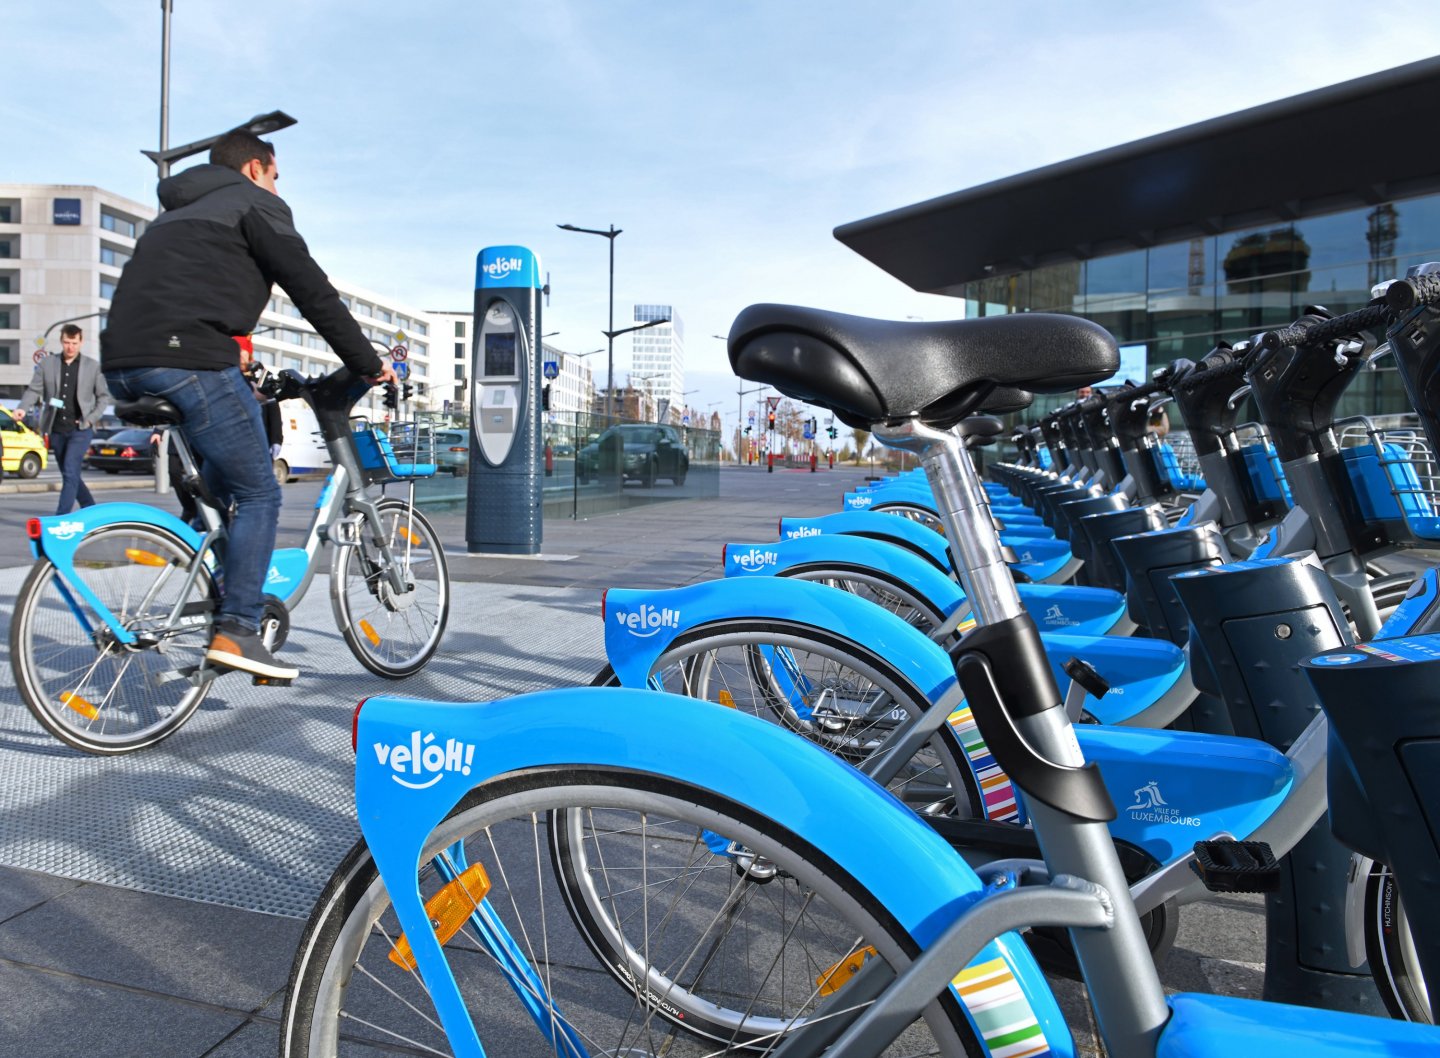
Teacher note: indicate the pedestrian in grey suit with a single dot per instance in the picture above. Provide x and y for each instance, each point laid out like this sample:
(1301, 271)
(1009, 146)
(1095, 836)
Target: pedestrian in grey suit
(70, 391)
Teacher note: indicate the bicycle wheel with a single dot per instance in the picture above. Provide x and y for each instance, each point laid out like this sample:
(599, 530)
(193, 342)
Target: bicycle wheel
(86, 688)
(878, 587)
(832, 691)
(1390, 950)
(393, 634)
(750, 952)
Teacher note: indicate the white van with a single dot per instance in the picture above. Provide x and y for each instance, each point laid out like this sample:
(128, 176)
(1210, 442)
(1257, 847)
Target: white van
(302, 451)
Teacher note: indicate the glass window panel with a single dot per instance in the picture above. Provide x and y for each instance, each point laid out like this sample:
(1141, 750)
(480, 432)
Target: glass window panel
(6, 285)
(1058, 288)
(1416, 228)
(1188, 265)
(1122, 273)
(1339, 238)
(422, 328)
(4, 319)
(107, 287)
(1272, 251)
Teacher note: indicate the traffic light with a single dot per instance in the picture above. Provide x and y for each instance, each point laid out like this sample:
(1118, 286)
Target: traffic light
(545, 397)
(392, 396)
(831, 431)
(748, 429)
(405, 390)
(770, 418)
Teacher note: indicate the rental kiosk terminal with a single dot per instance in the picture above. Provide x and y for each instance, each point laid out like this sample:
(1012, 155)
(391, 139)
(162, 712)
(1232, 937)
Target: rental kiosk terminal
(505, 497)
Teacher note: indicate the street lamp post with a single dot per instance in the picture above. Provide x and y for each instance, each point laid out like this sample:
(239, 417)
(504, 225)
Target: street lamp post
(610, 373)
(260, 125)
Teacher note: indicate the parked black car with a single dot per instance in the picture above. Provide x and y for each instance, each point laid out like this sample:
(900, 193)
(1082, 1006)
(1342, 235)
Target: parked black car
(127, 450)
(643, 452)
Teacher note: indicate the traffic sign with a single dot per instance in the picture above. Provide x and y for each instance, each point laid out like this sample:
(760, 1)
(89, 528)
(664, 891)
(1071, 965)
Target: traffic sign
(402, 370)
(401, 337)
(38, 354)
(752, 415)
(771, 403)
(550, 369)
(399, 353)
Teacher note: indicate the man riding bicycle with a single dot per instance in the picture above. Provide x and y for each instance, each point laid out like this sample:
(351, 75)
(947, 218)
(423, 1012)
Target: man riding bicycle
(200, 276)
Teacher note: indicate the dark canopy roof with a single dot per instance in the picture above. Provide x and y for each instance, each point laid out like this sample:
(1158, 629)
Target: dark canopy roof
(1358, 143)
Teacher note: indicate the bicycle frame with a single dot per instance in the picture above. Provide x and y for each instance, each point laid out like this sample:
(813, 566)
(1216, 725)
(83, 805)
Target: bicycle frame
(885, 847)
(290, 572)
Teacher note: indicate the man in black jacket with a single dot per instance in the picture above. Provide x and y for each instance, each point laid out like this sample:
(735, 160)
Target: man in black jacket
(201, 275)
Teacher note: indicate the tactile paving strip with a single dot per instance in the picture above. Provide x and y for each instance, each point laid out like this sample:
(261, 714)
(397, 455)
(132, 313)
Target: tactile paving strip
(250, 804)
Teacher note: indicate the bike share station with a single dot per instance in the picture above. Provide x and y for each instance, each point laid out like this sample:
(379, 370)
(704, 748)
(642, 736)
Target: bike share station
(504, 512)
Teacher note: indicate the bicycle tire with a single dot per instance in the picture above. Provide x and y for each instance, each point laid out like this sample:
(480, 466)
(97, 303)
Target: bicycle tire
(878, 587)
(1390, 950)
(852, 699)
(345, 993)
(392, 636)
(83, 687)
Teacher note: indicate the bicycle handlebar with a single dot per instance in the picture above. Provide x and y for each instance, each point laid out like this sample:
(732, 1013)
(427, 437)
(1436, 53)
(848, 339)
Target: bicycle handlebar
(1405, 294)
(1208, 371)
(1332, 329)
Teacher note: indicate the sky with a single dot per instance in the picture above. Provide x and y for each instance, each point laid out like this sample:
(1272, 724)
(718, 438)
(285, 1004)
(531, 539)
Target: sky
(726, 139)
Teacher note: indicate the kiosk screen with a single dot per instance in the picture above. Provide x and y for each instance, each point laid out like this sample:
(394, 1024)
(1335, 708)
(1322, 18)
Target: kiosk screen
(500, 355)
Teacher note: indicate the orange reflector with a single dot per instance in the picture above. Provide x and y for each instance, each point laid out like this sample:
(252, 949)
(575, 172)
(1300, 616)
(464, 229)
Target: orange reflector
(447, 911)
(838, 976)
(144, 558)
(80, 705)
(410, 535)
(727, 699)
(370, 633)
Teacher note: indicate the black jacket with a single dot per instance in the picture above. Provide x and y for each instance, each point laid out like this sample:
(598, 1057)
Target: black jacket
(202, 274)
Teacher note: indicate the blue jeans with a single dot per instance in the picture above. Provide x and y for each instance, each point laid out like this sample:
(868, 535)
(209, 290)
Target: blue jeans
(223, 423)
(68, 448)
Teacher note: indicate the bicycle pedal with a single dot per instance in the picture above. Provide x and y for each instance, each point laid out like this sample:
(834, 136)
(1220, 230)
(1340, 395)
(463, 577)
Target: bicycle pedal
(270, 681)
(1227, 866)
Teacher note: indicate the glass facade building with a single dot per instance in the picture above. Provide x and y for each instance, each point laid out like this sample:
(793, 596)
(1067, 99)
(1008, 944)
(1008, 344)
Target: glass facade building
(1179, 299)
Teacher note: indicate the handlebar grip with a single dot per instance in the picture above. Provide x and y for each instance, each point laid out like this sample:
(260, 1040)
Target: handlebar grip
(1329, 330)
(1405, 294)
(1134, 393)
(1204, 376)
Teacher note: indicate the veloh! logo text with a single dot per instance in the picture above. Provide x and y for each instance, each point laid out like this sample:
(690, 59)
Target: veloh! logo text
(424, 760)
(755, 558)
(804, 530)
(502, 266)
(65, 530)
(648, 620)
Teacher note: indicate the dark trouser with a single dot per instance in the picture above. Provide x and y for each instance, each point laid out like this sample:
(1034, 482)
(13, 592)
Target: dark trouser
(68, 447)
(222, 423)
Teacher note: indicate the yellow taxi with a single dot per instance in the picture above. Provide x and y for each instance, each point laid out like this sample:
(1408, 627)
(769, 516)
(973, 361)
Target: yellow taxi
(24, 448)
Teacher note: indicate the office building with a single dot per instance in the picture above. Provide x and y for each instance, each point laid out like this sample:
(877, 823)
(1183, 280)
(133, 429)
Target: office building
(62, 248)
(657, 357)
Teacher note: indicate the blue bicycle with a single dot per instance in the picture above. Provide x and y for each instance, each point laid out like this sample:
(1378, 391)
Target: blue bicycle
(110, 628)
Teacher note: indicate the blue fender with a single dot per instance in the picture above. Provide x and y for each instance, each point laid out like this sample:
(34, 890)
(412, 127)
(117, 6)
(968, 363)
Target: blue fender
(1055, 608)
(641, 624)
(452, 748)
(1081, 610)
(61, 534)
(789, 556)
(902, 531)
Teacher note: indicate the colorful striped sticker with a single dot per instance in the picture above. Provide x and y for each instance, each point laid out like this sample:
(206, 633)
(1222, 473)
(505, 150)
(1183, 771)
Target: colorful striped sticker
(996, 789)
(997, 1005)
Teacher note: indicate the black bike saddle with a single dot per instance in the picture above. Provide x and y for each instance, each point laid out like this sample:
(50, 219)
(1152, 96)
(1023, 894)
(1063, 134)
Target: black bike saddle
(148, 411)
(868, 371)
